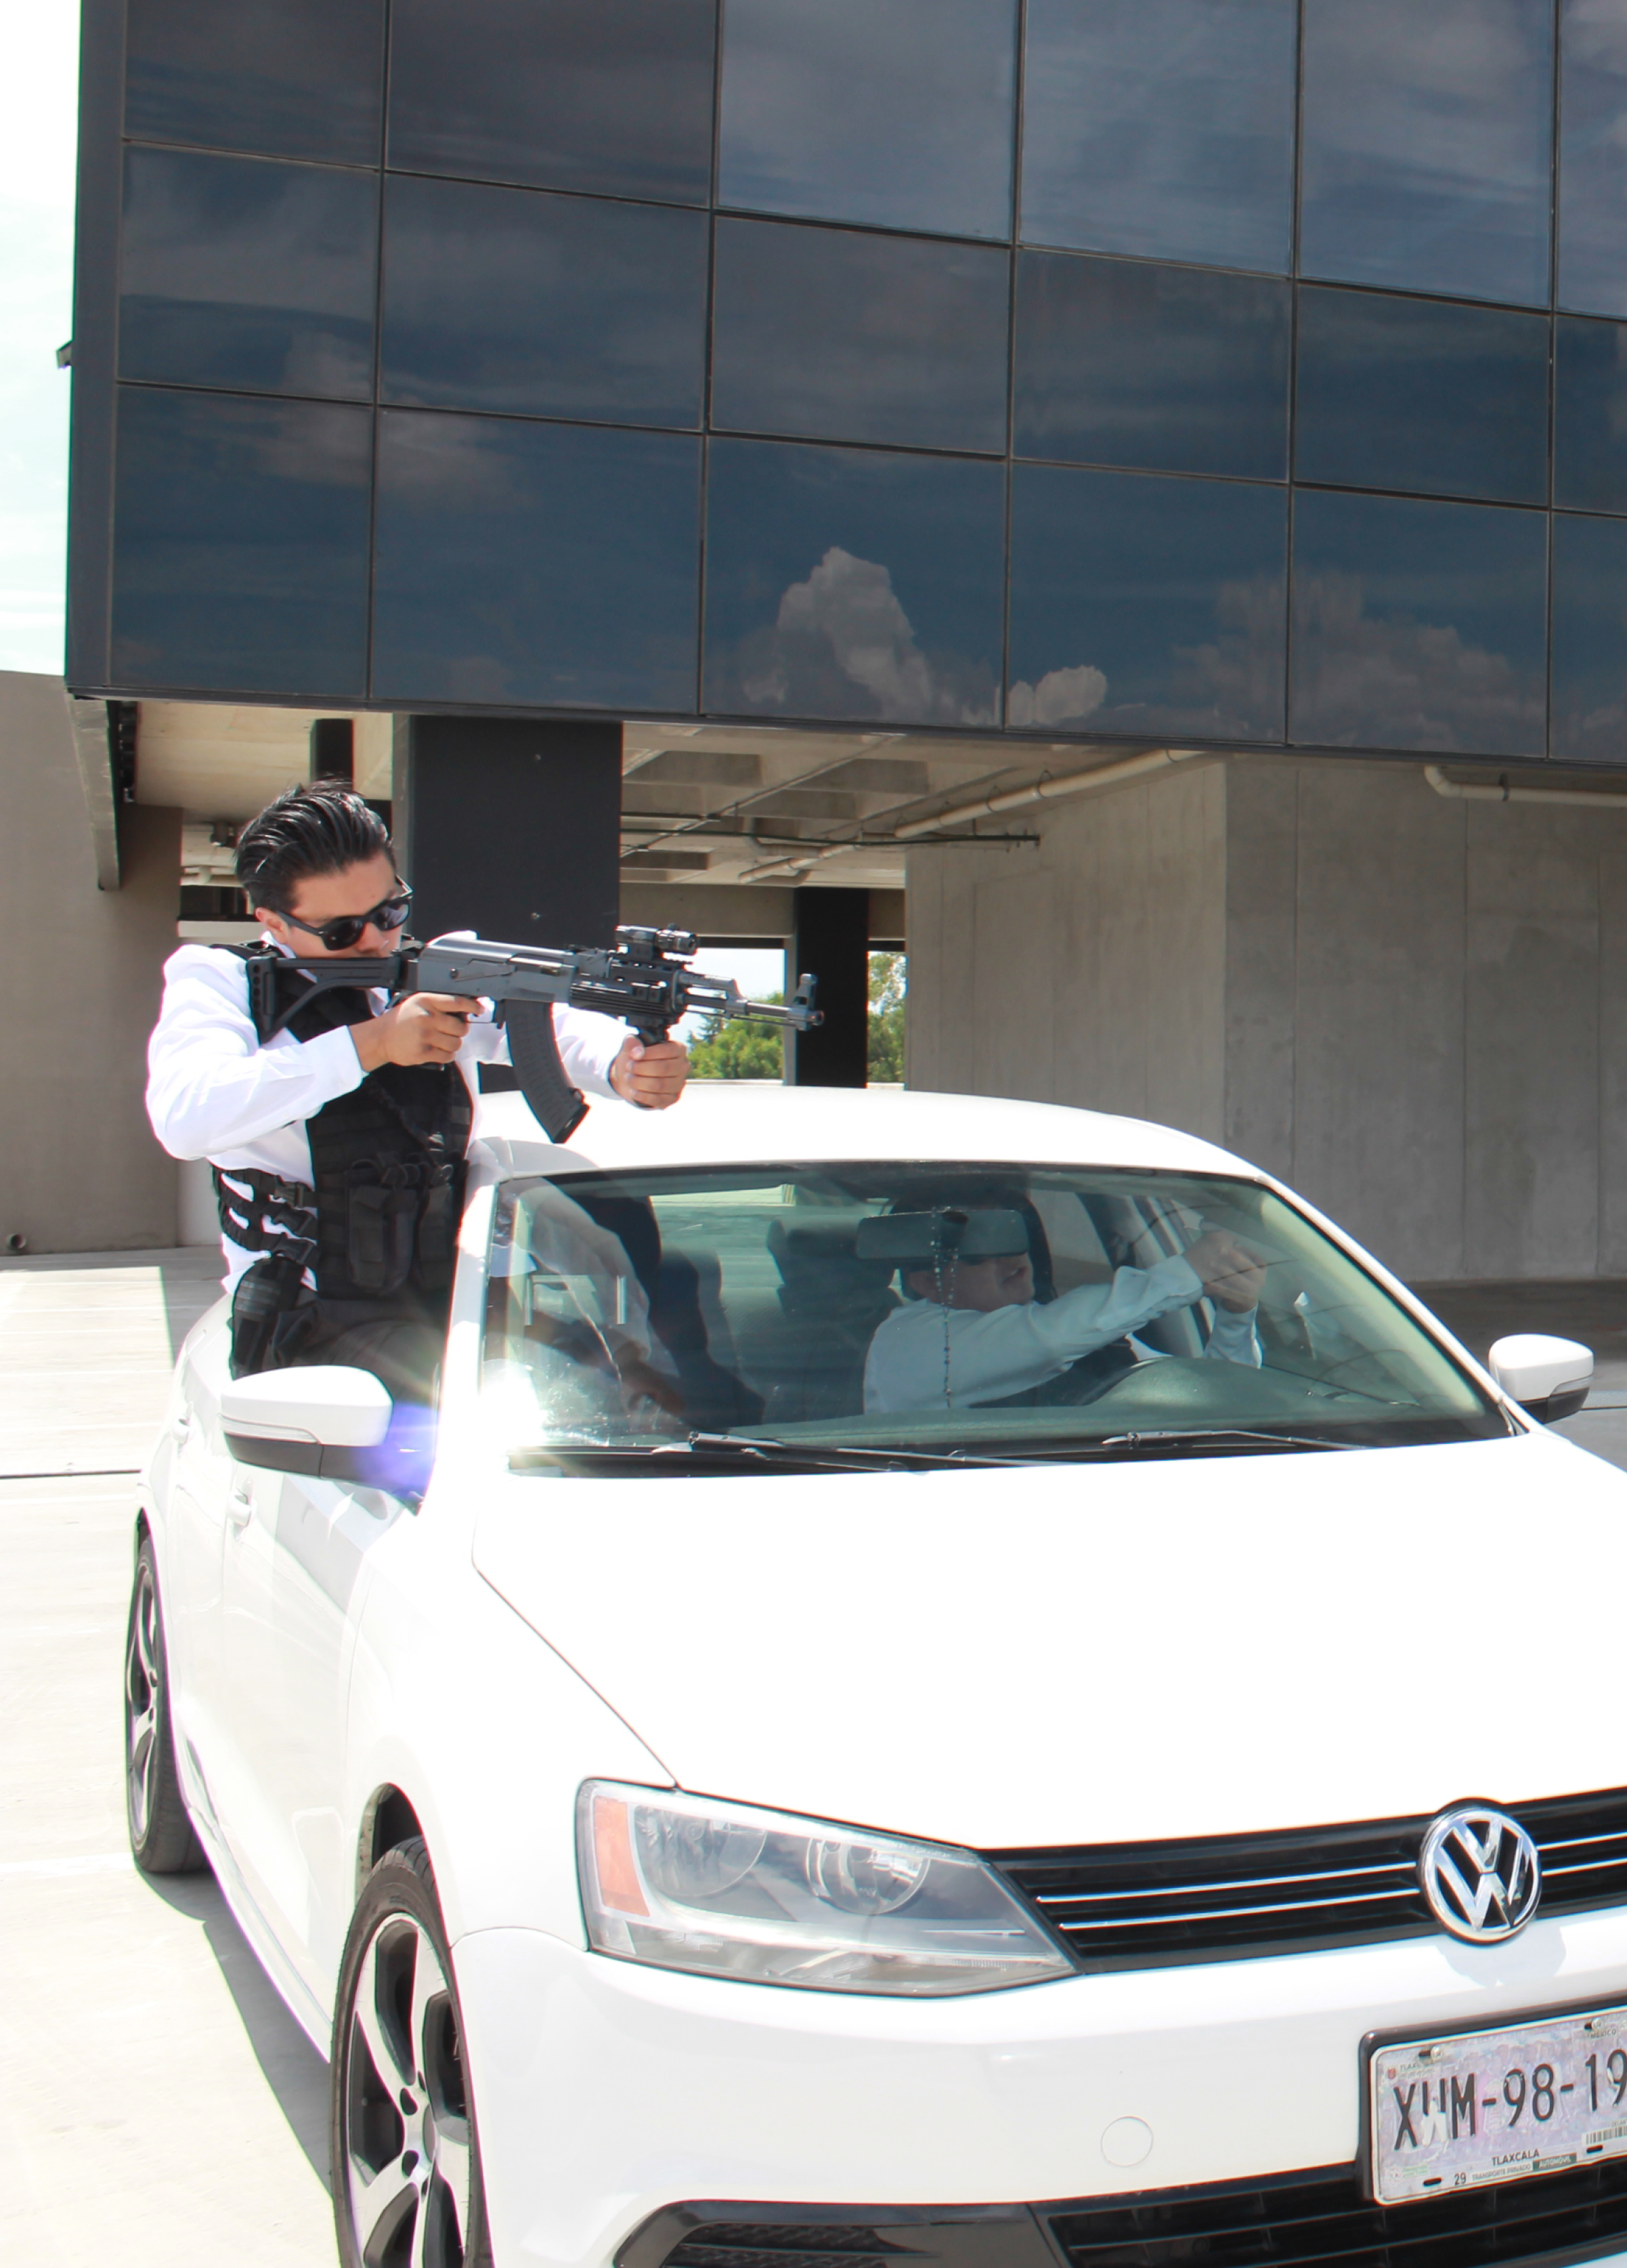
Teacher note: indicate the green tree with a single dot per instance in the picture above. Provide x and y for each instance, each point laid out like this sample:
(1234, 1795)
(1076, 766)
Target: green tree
(890, 986)
(739, 1051)
(746, 1051)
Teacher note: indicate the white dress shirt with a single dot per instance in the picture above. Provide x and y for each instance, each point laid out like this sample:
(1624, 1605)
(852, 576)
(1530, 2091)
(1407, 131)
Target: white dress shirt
(213, 1092)
(1009, 1350)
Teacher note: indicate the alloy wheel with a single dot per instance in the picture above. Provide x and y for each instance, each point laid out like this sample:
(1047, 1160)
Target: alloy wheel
(142, 1683)
(408, 2159)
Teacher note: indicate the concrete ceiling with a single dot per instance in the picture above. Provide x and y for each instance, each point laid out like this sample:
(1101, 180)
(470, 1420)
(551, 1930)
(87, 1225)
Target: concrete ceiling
(752, 804)
(702, 805)
(214, 761)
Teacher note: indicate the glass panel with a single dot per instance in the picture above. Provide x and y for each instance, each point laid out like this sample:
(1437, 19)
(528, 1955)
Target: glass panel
(855, 337)
(608, 95)
(292, 78)
(1410, 393)
(896, 112)
(1143, 606)
(1593, 155)
(845, 583)
(1427, 140)
(1590, 641)
(1119, 362)
(831, 1305)
(240, 545)
(235, 272)
(568, 306)
(1590, 415)
(1419, 625)
(524, 564)
(1162, 127)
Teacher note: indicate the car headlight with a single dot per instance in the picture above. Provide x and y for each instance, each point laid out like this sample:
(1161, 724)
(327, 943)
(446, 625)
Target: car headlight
(724, 1890)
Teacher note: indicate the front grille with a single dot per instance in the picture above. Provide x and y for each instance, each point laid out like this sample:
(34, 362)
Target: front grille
(1147, 1904)
(1320, 2218)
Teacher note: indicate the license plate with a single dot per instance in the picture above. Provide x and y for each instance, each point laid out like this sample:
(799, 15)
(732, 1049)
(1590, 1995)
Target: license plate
(1465, 2109)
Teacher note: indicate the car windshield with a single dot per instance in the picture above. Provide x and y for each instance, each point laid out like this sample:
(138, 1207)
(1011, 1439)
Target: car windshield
(1006, 1311)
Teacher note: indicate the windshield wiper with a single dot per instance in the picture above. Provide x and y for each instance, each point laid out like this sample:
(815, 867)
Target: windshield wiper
(1217, 1437)
(845, 1451)
(737, 1452)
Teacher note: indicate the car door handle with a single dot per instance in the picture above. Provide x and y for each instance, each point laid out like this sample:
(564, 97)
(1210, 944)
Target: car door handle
(181, 1428)
(240, 1504)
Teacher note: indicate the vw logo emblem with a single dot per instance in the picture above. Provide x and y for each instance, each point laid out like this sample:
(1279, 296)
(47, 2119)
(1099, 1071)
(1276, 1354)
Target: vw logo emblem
(1480, 1872)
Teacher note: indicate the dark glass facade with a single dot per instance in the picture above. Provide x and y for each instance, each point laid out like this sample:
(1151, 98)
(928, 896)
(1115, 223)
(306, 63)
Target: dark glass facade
(1251, 371)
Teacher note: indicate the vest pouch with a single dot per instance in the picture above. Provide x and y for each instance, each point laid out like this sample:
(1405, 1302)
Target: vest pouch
(437, 1225)
(382, 1204)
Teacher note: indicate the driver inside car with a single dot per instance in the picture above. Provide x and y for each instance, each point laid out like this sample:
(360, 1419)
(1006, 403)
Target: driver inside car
(972, 1331)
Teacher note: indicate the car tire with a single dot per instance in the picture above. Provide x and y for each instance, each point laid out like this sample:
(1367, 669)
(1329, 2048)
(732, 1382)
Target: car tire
(401, 2126)
(163, 1839)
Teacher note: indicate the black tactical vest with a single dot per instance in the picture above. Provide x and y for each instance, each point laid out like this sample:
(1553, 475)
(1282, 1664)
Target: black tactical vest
(380, 1223)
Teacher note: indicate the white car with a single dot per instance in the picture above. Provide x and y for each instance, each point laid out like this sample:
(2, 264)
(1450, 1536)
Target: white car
(818, 1746)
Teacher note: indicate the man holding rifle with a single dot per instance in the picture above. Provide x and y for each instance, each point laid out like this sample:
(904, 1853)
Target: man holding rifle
(338, 1141)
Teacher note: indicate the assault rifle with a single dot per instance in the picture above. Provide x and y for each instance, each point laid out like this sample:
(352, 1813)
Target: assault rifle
(645, 978)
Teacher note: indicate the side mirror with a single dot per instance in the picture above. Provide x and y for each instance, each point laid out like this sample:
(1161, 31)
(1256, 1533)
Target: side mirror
(1548, 1377)
(322, 1421)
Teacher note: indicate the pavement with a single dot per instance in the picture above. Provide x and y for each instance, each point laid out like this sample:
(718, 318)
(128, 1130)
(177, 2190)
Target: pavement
(158, 2106)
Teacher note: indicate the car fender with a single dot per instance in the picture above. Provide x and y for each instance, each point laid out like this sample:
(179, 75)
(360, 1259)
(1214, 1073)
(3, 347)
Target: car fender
(487, 1734)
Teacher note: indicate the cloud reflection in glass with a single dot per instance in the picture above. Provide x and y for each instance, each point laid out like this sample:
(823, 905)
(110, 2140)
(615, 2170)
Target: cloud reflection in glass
(853, 583)
(1419, 625)
(1145, 606)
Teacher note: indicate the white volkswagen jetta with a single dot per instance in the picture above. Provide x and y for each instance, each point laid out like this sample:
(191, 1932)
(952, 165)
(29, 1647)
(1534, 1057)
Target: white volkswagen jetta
(876, 1710)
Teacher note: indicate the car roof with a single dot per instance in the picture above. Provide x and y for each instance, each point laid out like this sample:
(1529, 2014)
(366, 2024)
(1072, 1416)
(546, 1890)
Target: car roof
(726, 1122)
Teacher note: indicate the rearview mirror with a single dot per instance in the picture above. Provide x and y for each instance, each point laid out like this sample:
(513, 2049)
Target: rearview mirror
(322, 1421)
(1548, 1377)
(919, 1239)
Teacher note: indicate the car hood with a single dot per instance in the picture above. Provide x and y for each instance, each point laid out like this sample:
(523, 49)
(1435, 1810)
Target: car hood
(1096, 1653)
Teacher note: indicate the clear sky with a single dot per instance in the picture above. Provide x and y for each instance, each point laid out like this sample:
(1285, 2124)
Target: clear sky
(39, 63)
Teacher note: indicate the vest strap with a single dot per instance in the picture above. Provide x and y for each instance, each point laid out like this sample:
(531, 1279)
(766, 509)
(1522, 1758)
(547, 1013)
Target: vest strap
(262, 1213)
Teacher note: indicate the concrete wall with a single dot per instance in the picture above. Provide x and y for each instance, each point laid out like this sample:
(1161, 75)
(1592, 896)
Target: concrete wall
(79, 1170)
(1089, 969)
(1413, 1010)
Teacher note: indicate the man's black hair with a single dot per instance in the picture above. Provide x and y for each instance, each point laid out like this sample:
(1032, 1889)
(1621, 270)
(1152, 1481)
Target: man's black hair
(318, 829)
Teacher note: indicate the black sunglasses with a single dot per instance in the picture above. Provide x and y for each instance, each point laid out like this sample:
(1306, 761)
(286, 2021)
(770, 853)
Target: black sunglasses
(346, 930)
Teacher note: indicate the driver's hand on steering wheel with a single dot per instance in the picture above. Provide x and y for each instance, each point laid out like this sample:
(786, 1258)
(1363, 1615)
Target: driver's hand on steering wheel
(1232, 1273)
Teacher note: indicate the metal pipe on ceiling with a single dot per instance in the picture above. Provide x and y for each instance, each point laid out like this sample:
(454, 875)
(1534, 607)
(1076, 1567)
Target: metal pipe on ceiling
(1480, 791)
(798, 863)
(1047, 790)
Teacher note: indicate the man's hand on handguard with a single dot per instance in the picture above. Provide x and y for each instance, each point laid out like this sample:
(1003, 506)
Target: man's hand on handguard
(1230, 1271)
(426, 1027)
(650, 1073)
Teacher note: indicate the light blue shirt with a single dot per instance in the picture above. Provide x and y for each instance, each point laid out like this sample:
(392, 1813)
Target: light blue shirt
(1012, 1349)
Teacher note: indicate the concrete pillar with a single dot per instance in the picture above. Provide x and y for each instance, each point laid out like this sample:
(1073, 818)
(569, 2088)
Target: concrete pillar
(79, 1169)
(1414, 1011)
(512, 827)
(831, 940)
